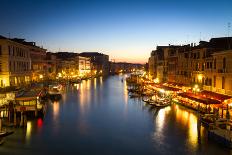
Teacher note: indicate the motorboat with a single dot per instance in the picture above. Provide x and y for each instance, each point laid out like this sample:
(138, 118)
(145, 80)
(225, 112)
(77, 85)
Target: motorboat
(207, 119)
(148, 100)
(162, 104)
(55, 92)
(221, 132)
(134, 95)
(4, 134)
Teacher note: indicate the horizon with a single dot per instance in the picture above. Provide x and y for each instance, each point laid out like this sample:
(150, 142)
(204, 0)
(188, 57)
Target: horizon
(124, 30)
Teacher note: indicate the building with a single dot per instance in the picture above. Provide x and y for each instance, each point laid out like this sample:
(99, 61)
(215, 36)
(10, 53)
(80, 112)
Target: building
(15, 63)
(100, 62)
(123, 67)
(84, 66)
(51, 65)
(71, 65)
(206, 65)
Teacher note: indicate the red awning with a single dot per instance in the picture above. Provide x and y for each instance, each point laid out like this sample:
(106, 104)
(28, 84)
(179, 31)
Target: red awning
(213, 95)
(199, 98)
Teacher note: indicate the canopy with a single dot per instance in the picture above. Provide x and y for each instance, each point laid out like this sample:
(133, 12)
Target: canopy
(29, 95)
(215, 96)
(199, 98)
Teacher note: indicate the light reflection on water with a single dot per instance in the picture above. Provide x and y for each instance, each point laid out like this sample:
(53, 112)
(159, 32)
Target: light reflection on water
(190, 121)
(28, 131)
(56, 109)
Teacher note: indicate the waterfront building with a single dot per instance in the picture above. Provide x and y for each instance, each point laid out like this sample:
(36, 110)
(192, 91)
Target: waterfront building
(51, 65)
(38, 60)
(71, 65)
(84, 66)
(206, 65)
(222, 73)
(123, 67)
(15, 63)
(152, 64)
(100, 62)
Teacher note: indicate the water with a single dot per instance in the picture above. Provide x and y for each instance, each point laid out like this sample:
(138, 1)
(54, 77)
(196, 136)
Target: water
(97, 117)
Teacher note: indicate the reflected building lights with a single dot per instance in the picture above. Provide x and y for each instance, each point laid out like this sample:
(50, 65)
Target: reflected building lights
(56, 109)
(190, 121)
(101, 80)
(95, 83)
(28, 131)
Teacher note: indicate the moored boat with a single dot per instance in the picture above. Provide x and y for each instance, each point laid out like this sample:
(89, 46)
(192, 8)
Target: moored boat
(4, 134)
(134, 95)
(55, 92)
(148, 100)
(162, 104)
(207, 119)
(220, 132)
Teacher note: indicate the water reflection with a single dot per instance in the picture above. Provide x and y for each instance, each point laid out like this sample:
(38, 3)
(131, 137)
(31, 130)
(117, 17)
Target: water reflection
(28, 131)
(56, 109)
(160, 115)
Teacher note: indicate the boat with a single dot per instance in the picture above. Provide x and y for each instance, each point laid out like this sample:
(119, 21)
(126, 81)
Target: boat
(207, 119)
(134, 95)
(148, 100)
(220, 131)
(4, 134)
(55, 92)
(162, 104)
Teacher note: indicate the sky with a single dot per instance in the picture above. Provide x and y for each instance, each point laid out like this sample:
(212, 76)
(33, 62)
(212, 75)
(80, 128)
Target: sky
(127, 30)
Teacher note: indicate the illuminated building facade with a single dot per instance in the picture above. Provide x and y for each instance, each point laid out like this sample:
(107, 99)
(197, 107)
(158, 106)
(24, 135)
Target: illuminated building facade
(75, 67)
(207, 65)
(15, 63)
(100, 62)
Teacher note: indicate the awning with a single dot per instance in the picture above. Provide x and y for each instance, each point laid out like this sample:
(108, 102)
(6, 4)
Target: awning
(29, 95)
(199, 98)
(215, 96)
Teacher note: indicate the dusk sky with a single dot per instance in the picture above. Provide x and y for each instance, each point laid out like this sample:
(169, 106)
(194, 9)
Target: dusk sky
(126, 30)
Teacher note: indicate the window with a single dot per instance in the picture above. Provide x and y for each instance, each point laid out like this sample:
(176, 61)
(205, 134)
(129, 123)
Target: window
(10, 66)
(224, 63)
(223, 82)
(211, 65)
(215, 63)
(214, 81)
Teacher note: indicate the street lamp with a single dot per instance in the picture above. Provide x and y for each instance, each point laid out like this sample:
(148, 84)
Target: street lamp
(196, 89)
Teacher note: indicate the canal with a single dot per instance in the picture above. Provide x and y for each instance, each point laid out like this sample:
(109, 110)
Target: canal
(97, 117)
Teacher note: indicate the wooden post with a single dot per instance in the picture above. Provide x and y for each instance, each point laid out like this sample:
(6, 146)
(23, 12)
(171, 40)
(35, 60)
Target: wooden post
(36, 110)
(21, 121)
(0, 124)
(15, 118)
(25, 120)
(222, 112)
